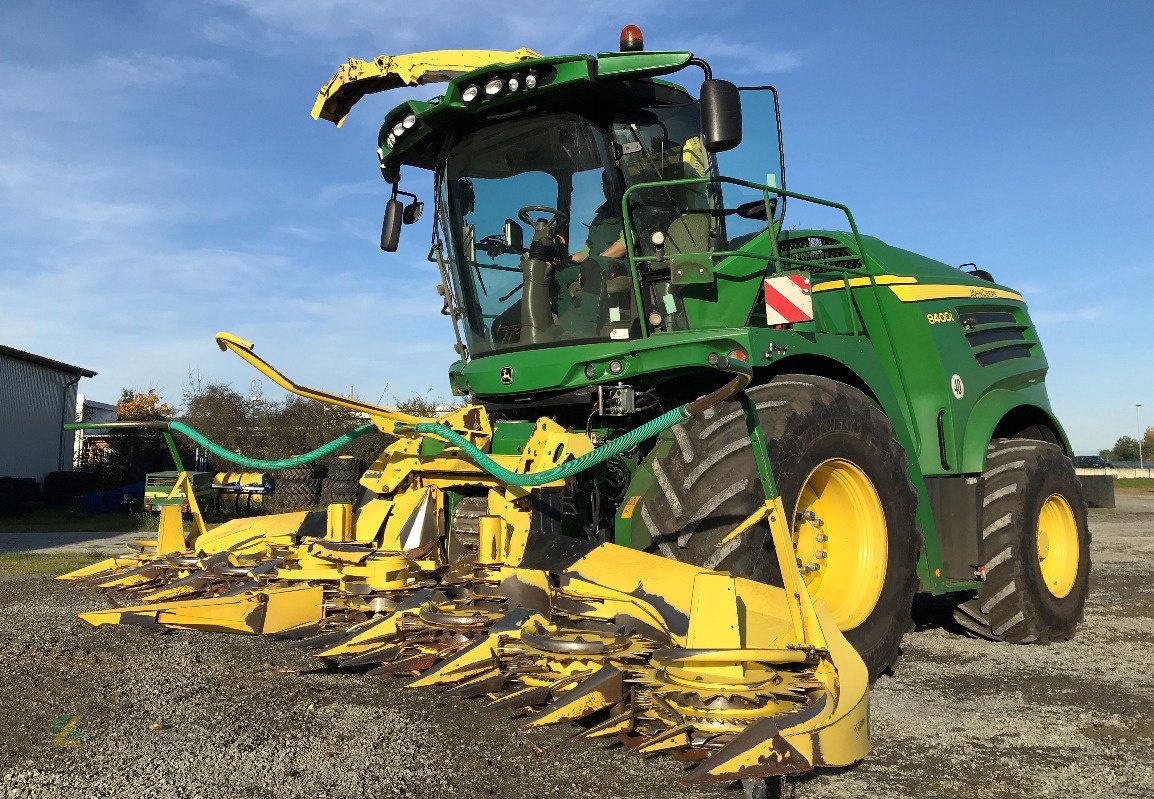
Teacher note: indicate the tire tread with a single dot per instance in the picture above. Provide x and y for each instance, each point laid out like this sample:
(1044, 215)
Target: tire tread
(1006, 608)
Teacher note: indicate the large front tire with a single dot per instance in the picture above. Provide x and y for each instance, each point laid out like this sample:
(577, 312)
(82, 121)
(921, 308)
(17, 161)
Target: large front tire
(1038, 542)
(841, 476)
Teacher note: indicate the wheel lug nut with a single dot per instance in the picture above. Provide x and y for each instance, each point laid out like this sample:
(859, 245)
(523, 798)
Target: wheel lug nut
(811, 567)
(808, 515)
(819, 554)
(821, 538)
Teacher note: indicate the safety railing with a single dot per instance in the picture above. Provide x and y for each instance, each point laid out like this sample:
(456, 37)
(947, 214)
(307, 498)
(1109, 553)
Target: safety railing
(853, 263)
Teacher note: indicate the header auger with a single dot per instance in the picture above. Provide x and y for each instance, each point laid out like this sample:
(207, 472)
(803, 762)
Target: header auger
(708, 458)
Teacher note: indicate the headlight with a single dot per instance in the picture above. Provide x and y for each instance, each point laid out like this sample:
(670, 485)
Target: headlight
(494, 87)
(469, 93)
(514, 83)
(531, 80)
(409, 121)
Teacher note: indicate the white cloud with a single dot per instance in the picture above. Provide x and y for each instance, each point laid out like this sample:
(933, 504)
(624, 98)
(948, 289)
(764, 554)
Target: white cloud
(146, 69)
(128, 263)
(741, 57)
(75, 90)
(338, 192)
(1050, 316)
(554, 27)
(144, 316)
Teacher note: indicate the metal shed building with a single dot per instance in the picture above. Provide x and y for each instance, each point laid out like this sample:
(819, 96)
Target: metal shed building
(37, 396)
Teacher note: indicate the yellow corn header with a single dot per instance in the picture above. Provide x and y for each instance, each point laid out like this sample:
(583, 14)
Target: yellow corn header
(740, 678)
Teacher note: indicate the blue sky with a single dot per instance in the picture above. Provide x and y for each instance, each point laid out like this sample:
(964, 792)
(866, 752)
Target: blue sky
(160, 177)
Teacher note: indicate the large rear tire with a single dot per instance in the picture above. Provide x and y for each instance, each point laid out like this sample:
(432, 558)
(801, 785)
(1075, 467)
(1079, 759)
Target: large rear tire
(843, 479)
(1035, 532)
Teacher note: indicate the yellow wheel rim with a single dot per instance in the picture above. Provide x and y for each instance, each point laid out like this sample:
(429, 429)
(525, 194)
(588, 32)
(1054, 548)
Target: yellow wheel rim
(1058, 545)
(841, 540)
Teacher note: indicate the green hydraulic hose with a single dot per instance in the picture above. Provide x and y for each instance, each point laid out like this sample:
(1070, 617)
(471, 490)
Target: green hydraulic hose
(283, 463)
(219, 451)
(599, 455)
(742, 373)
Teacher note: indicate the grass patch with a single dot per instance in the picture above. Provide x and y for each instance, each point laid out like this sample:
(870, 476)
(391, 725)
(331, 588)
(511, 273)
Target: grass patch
(1134, 484)
(52, 564)
(54, 520)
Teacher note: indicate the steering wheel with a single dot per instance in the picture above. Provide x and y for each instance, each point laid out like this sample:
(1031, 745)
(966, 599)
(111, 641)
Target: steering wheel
(523, 214)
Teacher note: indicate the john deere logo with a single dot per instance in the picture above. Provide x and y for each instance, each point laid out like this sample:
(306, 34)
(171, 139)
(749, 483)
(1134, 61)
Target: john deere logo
(506, 374)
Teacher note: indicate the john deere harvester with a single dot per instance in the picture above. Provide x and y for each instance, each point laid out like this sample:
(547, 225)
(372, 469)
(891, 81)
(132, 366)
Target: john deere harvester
(709, 454)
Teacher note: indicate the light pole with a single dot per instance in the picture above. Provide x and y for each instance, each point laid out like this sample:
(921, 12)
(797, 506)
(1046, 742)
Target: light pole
(1137, 422)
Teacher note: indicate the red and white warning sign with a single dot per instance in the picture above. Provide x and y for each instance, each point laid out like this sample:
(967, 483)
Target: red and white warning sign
(787, 299)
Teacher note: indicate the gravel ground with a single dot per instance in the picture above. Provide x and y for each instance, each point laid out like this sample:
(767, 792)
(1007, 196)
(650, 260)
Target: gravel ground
(202, 715)
(103, 543)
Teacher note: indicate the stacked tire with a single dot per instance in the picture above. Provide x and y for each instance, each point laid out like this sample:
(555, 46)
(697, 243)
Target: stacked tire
(61, 489)
(26, 494)
(7, 497)
(343, 483)
(296, 489)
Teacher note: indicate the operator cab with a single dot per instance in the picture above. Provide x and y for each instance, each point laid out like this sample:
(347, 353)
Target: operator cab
(532, 215)
(579, 209)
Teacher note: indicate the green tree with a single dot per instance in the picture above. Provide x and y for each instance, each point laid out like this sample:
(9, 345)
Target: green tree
(269, 429)
(300, 425)
(1126, 449)
(417, 405)
(130, 454)
(224, 416)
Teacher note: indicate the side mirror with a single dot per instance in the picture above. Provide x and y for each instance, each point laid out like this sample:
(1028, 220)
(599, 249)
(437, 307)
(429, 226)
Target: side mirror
(391, 227)
(720, 115)
(412, 212)
(514, 237)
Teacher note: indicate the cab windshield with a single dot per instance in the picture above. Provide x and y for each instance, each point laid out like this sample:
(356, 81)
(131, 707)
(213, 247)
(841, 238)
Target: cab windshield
(532, 210)
(524, 198)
